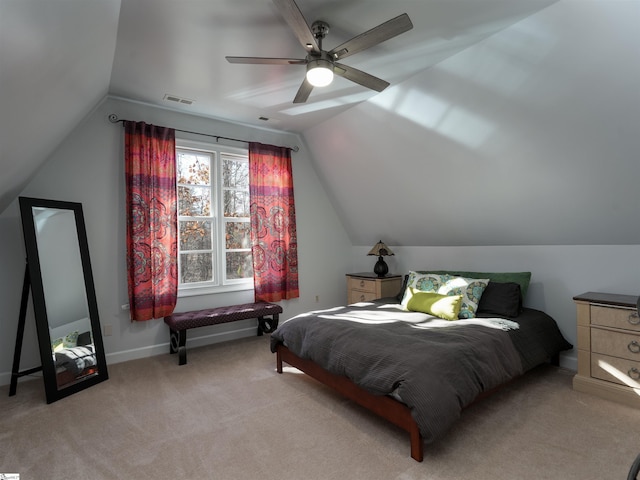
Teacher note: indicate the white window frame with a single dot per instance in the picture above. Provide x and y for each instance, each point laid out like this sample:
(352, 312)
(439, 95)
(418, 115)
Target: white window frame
(223, 284)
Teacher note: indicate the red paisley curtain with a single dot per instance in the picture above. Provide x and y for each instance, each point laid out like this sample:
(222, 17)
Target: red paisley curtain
(274, 241)
(150, 172)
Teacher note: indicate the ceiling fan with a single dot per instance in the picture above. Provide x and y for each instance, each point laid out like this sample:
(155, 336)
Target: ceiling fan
(321, 64)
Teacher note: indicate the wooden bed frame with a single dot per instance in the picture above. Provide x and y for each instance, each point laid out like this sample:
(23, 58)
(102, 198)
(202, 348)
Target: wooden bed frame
(382, 405)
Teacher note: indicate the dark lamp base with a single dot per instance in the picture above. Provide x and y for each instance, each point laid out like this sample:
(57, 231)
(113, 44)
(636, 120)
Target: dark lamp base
(380, 268)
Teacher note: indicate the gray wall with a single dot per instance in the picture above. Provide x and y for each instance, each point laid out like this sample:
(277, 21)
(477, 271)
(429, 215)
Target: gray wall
(88, 168)
(559, 272)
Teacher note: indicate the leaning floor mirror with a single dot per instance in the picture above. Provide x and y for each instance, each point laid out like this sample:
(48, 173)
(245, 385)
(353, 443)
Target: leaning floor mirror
(64, 300)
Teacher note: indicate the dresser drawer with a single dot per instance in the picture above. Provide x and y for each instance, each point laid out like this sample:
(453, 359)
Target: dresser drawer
(362, 285)
(623, 318)
(615, 344)
(356, 296)
(616, 370)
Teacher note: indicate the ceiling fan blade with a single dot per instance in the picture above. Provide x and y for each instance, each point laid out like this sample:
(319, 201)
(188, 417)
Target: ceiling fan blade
(267, 60)
(358, 76)
(293, 16)
(303, 92)
(376, 35)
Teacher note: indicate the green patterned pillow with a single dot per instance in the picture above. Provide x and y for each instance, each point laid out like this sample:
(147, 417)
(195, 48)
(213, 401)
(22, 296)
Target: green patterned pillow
(71, 340)
(442, 306)
(470, 289)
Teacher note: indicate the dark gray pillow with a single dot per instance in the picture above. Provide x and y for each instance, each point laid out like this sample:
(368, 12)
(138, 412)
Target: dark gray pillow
(400, 294)
(501, 299)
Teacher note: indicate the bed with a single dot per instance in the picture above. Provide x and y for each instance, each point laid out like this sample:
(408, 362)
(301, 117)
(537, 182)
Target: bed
(418, 359)
(73, 352)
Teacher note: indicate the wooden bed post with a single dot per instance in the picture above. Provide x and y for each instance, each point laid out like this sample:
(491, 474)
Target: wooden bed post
(382, 405)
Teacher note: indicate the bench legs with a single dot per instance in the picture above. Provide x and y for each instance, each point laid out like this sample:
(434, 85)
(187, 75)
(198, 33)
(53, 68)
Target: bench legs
(267, 325)
(178, 344)
(178, 338)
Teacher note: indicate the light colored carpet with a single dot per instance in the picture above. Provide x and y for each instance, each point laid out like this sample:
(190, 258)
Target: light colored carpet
(228, 415)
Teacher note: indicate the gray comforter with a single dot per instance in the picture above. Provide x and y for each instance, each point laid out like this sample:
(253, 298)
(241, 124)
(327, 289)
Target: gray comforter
(436, 367)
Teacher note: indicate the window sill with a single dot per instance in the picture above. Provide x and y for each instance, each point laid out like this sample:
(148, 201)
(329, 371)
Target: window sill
(210, 290)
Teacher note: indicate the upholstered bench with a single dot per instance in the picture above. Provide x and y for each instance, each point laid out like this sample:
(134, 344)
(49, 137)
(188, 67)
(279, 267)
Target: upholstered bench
(179, 323)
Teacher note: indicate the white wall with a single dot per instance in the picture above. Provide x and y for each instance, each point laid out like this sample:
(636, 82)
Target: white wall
(558, 273)
(88, 168)
(529, 137)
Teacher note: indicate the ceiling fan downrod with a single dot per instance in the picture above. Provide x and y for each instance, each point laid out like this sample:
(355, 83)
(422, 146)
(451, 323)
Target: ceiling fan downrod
(319, 30)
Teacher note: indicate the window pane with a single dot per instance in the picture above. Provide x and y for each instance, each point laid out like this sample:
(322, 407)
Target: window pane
(195, 235)
(193, 168)
(238, 235)
(236, 203)
(194, 201)
(239, 265)
(235, 174)
(196, 267)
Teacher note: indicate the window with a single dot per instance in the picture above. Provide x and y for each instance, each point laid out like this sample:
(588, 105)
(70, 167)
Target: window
(214, 247)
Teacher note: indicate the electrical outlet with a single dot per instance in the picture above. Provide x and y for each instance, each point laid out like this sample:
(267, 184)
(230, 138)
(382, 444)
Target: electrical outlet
(108, 330)
(125, 306)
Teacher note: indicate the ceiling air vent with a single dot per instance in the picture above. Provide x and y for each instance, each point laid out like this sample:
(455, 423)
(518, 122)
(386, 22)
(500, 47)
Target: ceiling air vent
(175, 98)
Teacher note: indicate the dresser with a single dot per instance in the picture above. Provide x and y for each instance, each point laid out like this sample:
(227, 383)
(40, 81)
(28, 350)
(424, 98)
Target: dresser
(608, 347)
(363, 287)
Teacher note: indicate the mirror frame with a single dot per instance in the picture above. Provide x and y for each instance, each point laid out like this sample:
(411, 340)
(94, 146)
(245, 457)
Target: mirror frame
(53, 392)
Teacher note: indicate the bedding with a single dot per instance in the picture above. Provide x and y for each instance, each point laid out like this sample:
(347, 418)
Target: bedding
(73, 351)
(434, 366)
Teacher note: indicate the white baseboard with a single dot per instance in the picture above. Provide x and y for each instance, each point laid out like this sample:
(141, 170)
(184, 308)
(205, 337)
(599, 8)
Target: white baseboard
(153, 350)
(163, 348)
(569, 361)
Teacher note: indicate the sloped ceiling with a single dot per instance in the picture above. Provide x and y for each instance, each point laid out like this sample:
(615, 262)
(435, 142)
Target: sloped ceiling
(178, 48)
(59, 58)
(508, 121)
(531, 137)
(55, 67)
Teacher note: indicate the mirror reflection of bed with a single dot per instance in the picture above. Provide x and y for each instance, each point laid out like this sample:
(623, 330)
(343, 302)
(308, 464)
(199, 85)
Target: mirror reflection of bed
(73, 352)
(71, 340)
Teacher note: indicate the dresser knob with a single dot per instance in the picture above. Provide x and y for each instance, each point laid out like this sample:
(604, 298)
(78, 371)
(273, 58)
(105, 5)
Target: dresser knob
(634, 347)
(362, 298)
(634, 373)
(634, 319)
(361, 283)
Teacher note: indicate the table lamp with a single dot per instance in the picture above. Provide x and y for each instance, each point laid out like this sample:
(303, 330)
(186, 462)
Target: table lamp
(380, 250)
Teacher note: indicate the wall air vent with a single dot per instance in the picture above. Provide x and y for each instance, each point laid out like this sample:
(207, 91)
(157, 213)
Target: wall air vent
(175, 98)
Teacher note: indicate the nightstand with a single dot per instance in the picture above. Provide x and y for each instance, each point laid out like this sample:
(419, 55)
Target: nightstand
(363, 287)
(608, 347)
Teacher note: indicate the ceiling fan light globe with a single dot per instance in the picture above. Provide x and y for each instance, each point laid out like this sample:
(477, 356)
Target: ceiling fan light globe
(319, 73)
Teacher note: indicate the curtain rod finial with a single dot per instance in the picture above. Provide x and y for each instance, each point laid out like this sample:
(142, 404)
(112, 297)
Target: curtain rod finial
(113, 118)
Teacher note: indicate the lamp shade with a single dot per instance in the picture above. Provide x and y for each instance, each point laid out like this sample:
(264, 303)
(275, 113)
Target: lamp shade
(380, 250)
(319, 72)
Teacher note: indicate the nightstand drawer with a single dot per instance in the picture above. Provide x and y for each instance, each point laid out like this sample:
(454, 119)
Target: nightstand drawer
(356, 296)
(623, 318)
(615, 344)
(362, 285)
(365, 287)
(616, 370)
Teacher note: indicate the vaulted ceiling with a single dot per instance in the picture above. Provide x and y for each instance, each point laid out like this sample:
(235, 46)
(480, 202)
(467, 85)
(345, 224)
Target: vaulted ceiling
(60, 58)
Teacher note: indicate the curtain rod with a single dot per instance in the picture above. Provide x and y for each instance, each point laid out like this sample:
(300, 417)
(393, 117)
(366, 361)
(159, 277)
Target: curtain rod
(113, 118)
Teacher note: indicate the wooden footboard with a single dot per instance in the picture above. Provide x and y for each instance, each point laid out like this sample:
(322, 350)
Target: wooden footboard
(384, 406)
